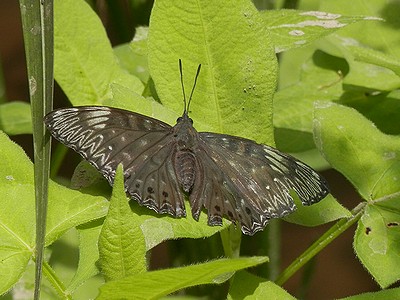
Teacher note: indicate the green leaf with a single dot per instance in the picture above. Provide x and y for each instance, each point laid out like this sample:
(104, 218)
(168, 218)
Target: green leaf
(294, 28)
(133, 56)
(157, 229)
(368, 69)
(266, 289)
(66, 209)
(247, 286)
(84, 63)
(374, 57)
(377, 35)
(88, 254)
(16, 118)
(371, 162)
(383, 109)
(121, 243)
(325, 211)
(17, 239)
(376, 241)
(26, 285)
(125, 98)
(379, 295)
(294, 104)
(153, 285)
(355, 147)
(69, 208)
(238, 74)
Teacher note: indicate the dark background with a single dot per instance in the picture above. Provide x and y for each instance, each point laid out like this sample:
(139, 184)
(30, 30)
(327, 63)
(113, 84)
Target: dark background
(337, 271)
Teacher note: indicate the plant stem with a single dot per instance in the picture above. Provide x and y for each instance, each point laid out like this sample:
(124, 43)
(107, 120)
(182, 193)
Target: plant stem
(321, 243)
(274, 248)
(37, 23)
(231, 238)
(55, 281)
(57, 159)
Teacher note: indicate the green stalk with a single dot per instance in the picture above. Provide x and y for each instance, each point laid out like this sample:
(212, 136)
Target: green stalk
(231, 238)
(57, 159)
(274, 248)
(55, 281)
(37, 22)
(321, 243)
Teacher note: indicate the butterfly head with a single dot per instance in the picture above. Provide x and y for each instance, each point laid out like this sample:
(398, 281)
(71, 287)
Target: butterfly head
(184, 133)
(184, 119)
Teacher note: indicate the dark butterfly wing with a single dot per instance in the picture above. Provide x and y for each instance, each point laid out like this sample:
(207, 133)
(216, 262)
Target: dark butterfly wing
(249, 182)
(107, 137)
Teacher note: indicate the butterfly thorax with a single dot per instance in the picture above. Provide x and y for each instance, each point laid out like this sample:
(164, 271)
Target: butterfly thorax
(186, 139)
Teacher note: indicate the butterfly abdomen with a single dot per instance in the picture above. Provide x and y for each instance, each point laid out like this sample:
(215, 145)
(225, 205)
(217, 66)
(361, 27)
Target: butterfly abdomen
(185, 168)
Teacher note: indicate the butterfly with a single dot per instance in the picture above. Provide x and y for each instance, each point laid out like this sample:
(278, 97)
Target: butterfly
(229, 176)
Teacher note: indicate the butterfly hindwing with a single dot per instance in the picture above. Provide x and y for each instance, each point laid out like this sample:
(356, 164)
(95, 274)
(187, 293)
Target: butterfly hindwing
(256, 180)
(154, 183)
(107, 137)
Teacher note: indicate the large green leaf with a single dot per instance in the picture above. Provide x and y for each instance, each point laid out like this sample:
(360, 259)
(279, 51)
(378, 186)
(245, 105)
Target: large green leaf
(84, 62)
(354, 146)
(121, 243)
(15, 118)
(125, 98)
(369, 70)
(388, 294)
(248, 286)
(153, 285)
(371, 162)
(294, 28)
(383, 36)
(237, 81)
(66, 209)
(133, 56)
(325, 211)
(88, 254)
(293, 106)
(381, 108)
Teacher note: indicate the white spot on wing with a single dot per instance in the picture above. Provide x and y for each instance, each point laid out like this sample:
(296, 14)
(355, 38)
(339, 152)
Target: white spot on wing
(94, 122)
(99, 113)
(99, 126)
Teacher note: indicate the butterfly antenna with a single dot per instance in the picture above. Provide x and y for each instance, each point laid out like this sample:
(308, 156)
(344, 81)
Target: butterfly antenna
(183, 86)
(194, 85)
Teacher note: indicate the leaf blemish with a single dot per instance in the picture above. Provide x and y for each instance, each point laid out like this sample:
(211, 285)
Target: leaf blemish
(392, 224)
(321, 15)
(310, 23)
(368, 230)
(301, 42)
(296, 32)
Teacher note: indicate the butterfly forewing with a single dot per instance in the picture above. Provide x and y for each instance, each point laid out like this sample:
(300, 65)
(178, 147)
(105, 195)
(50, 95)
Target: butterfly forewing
(107, 137)
(257, 180)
